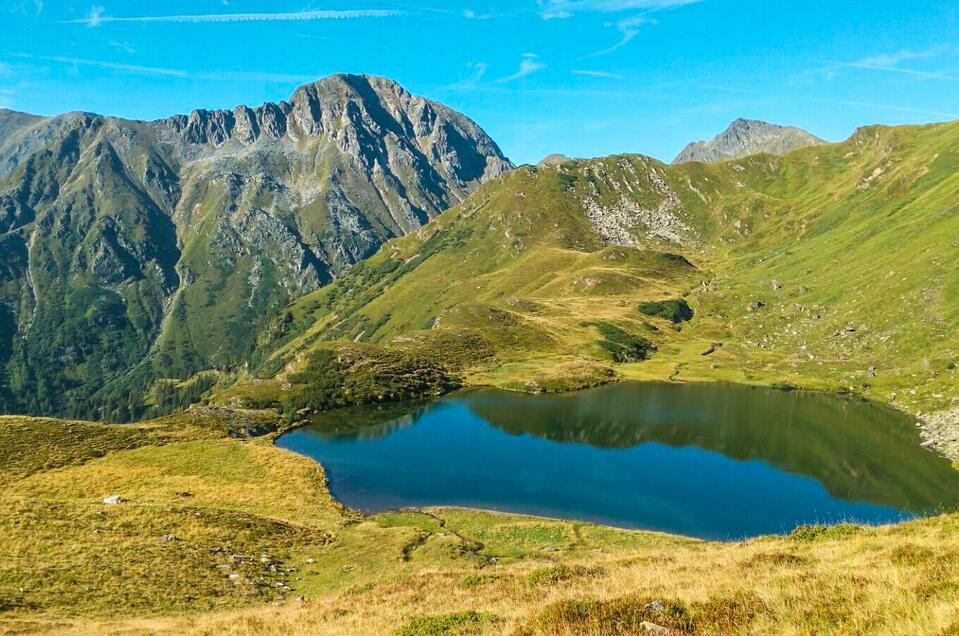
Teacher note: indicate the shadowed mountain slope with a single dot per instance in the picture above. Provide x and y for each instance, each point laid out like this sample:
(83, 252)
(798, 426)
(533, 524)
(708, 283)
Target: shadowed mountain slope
(131, 251)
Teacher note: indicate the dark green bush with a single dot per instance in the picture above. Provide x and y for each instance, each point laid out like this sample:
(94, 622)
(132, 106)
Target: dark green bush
(676, 311)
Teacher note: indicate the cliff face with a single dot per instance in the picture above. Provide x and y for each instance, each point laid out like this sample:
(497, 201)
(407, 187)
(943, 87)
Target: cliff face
(135, 250)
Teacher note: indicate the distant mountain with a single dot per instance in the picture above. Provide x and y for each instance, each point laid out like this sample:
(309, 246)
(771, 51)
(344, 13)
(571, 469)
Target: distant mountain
(746, 137)
(553, 160)
(134, 250)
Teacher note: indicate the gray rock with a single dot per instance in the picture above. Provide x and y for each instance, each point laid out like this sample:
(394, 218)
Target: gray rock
(746, 137)
(113, 500)
(653, 628)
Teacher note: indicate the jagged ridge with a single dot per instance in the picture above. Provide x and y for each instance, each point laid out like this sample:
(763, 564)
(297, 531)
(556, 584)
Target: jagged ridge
(172, 240)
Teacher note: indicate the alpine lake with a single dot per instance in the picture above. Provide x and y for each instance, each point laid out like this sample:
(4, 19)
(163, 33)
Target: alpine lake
(715, 461)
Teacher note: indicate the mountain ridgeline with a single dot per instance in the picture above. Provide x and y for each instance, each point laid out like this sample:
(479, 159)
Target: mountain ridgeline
(134, 251)
(746, 137)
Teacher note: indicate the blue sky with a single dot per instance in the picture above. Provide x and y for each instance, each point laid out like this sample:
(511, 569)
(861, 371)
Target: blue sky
(580, 77)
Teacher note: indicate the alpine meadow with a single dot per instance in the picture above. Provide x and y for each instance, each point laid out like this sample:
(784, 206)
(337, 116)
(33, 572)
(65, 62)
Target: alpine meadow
(337, 364)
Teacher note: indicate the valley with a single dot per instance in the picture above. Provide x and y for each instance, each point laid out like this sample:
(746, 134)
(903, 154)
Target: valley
(341, 267)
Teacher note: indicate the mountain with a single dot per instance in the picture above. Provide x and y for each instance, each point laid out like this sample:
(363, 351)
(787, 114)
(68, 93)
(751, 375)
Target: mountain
(131, 251)
(746, 137)
(827, 268)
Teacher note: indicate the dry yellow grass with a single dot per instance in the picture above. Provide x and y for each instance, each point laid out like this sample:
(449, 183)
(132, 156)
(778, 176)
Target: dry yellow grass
(70, 564)
(896, 580)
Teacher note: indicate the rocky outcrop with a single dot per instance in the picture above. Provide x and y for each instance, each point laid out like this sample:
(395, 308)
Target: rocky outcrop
(160, 247)
(940, 431)
(746, 137)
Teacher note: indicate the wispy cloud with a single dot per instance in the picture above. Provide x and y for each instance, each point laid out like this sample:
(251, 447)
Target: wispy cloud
(210, 76)
(901, 109)
(890, 63)
(527, 66)
(599, 74)
(907, 55)
(94, 17)
(895, 69)
(130, 68)
(27, 7)
(477, 73)
(97, 17)
(123, 45)
(629, 28)
(559, 9)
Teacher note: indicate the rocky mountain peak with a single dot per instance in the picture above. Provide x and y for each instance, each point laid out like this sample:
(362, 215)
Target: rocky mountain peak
(746, 137)
(217, 216)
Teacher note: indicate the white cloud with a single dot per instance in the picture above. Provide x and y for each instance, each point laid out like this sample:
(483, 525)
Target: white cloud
(124, 46)
(629, 28)
(477, 73)
(558, 9)
(528, 65)
(906, 55)
(130, 68)
(96, 17)
(890, 63)
(901, 109)
(212, 76)
(598, 74)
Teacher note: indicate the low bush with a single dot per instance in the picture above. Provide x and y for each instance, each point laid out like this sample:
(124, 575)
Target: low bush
(676, 311)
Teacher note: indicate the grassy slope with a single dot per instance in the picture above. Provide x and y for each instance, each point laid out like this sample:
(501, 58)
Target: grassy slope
(75, 565)
(858, 234)
(857, 237)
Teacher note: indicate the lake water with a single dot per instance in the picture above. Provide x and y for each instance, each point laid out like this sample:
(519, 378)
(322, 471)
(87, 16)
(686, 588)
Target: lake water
(714, 461)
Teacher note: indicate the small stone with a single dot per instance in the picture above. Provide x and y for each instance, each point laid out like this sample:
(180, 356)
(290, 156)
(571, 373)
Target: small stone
(239, 558)
(114, 500)
(872, 372)
(756, 305)
(653, 628)
(310, 560)
(777, 285)
(655, 607)
(168, 537)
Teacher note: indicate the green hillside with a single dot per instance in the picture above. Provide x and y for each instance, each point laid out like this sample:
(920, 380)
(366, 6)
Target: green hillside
(831, 267)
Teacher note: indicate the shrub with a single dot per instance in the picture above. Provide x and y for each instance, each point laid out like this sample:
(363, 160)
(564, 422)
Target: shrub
(676, 311)
(443, 624)
(824, 533)
(621, 345)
